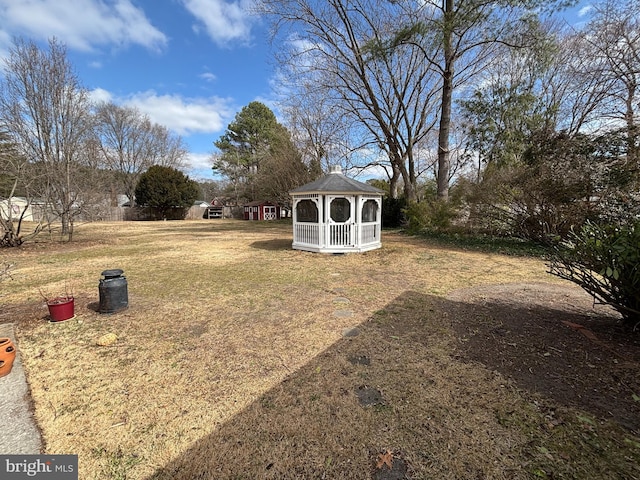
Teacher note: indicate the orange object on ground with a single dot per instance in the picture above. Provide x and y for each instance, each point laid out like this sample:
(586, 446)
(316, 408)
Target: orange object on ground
(7, 356)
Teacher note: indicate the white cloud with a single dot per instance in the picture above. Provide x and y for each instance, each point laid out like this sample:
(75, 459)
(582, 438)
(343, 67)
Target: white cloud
(208, 76)
(184, 116)
(5, 41)
(372, 171)
(224, 21)
(100, 95)
(200, 162)
(80, 24)
(584, 11)
(195, 119)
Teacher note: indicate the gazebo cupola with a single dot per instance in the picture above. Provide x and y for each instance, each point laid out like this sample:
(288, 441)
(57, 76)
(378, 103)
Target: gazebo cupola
(336, 214)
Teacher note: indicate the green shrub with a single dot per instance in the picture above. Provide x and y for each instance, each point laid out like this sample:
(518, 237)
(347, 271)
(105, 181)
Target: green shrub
(429, 215)
(417, 217)
(605, 261)
(392, 212)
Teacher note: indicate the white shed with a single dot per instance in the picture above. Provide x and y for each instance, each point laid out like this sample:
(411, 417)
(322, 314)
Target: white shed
(336, 214)
(19, 207)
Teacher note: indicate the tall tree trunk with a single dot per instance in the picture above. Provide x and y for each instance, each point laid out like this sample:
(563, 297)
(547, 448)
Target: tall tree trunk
(393, 182)
(444, 161)
(409, 192)
(66, 201)
(412, 167)
(408, 187)
(632, 128)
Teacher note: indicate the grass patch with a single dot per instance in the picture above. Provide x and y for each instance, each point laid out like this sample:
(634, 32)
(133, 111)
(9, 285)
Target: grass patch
(231, 361)
(488, 243)
(117, 464)
(569, 445)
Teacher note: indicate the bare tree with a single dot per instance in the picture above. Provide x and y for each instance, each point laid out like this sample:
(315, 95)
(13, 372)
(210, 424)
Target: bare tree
(613, 38)
(464, 35)
(326, 137)
(46, 111)
(209, 189)
(569, 86)
(129, 143)
(316, 126)
(120, 144)
(383, 95)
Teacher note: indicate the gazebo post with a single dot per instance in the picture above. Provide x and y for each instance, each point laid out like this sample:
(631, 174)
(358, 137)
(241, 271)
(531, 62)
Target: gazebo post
(359, 217)
(323, 221)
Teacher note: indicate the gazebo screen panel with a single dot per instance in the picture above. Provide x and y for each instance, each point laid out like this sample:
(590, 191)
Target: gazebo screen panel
(307, 211)
(370, 211)
(370, 219)
(306, 227)
(340, 209)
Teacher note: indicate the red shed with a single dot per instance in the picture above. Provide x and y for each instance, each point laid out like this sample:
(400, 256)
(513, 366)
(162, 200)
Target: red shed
(261, 210)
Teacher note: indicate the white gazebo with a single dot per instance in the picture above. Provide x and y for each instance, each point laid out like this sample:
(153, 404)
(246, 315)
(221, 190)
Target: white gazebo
(336, 214)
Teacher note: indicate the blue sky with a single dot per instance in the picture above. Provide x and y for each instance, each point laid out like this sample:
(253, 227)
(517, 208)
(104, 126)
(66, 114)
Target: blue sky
(190, 65)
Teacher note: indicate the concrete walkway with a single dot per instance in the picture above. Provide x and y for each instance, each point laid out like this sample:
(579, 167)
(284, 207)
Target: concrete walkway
(19, 434)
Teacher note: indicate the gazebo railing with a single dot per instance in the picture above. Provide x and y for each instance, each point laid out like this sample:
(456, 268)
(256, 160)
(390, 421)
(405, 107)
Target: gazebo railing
(336, 235)
(369, 233)
(342, 234)
(307, 233)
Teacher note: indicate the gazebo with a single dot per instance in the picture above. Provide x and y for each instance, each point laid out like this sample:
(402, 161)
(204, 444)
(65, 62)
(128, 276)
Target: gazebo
(336, 214)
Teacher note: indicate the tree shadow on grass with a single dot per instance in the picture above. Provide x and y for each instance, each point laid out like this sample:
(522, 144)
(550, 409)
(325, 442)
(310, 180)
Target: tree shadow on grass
(214, 226)
(553, 341)
(203, 227)
(436, 369)
(275, 244)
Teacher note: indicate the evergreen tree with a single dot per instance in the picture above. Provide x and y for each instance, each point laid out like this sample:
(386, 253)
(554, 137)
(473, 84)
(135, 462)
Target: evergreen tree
(165, 188)
(258, 156)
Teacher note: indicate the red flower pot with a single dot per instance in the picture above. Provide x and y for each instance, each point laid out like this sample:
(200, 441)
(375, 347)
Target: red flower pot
(60, 308)
(7, 356)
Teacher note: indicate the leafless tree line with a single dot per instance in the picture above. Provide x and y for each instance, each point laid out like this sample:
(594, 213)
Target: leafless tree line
(421, 89)
(61, 149)
(384, 84)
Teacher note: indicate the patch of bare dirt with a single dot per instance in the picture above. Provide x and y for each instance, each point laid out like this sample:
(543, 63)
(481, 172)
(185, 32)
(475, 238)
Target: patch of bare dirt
(552, 340)
(29, 315)
(24, 315)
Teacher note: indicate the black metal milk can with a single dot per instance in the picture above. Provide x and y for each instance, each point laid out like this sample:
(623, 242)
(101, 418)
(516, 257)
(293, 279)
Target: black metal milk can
(113, 291)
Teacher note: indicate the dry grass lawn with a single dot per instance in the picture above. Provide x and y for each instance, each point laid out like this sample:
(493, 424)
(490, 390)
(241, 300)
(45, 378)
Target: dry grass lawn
(239, 357)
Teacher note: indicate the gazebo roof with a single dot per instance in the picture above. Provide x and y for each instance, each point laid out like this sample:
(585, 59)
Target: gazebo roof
(336, 182)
